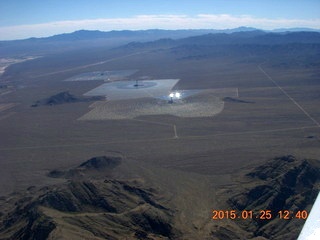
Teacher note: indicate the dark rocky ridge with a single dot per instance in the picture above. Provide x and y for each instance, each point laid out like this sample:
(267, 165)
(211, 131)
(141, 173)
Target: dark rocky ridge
(83, 204)
(235, 100)
(118, 209)
(26, 222)
(64, 97)
(103, 164)
(283, 183)
(130, 209)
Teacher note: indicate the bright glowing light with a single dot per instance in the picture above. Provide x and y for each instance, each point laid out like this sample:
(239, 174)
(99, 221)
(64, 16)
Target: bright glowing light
(178, 95)
(171, 95)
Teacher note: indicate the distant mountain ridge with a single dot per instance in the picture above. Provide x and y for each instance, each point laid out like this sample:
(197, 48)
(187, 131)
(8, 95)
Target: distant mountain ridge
(92, 34)
(296, 30)
(93, 38)
(255, 37)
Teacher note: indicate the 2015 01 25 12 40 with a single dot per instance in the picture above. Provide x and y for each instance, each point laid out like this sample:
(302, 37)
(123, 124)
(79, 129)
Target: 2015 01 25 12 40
(258, 214)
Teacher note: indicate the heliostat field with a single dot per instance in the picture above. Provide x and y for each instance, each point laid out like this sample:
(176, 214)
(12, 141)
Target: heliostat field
(128, 99)
(102, 76)
(134, 89)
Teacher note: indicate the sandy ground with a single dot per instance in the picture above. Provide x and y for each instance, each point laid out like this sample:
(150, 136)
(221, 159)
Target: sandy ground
(6, 106)
(6, 62)
(268, 124)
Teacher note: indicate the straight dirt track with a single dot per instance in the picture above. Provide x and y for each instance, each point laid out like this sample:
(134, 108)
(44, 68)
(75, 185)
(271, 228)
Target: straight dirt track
(285, 93)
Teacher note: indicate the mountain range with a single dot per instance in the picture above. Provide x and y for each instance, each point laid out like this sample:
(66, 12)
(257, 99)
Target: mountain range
(91, 39)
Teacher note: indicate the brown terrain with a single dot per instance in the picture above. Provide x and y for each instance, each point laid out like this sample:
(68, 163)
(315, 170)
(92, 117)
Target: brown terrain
(161, 176)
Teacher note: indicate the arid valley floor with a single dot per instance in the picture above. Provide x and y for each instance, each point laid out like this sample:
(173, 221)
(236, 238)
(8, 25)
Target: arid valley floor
(161, 176)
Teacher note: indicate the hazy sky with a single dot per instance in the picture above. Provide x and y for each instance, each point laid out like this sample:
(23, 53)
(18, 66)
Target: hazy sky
(39, 18)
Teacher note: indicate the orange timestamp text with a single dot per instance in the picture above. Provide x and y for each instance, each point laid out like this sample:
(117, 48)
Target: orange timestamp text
(259, 215)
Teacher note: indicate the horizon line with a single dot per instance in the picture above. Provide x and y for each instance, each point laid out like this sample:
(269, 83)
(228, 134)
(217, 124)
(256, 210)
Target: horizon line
(145, 22)
(275, 30)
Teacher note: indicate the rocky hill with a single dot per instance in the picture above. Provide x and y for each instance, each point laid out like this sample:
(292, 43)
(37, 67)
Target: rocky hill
(92, 209)
(64, 97)
(283, 183)
(90, 204)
